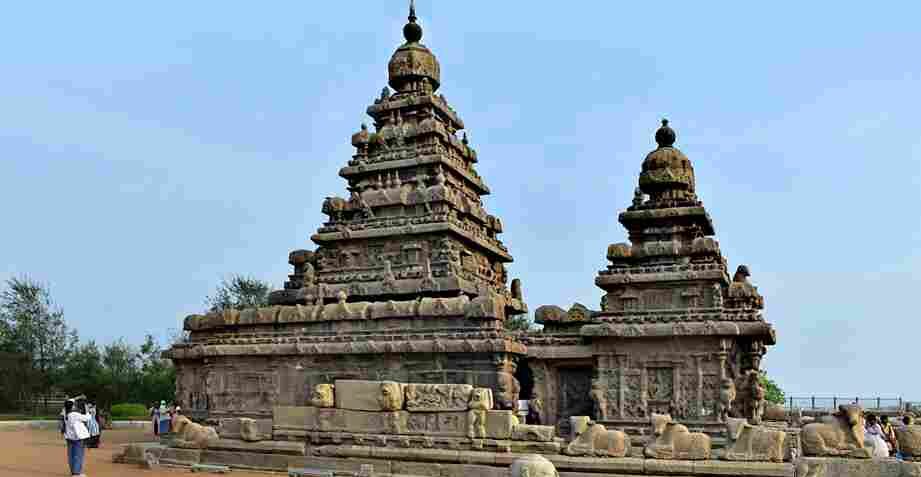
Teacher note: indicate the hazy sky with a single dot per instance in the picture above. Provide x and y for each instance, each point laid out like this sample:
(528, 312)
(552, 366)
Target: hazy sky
(149, 149)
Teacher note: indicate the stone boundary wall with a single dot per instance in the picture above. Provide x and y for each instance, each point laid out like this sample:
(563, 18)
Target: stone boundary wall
(47, 425)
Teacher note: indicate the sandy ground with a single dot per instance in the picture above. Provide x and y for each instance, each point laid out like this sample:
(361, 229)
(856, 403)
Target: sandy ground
(33, 453)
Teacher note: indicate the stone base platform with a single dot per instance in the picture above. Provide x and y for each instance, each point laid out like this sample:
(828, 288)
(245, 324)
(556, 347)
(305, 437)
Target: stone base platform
(448, 463)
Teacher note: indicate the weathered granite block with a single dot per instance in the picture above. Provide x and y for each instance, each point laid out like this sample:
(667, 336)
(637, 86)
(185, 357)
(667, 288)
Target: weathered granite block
(358, 395)
(450, 424)
(362, 422)
(426, 469)
(294, 417)
(531, 432)
(500, 424)
(437, 397)
(271, 447)
(254, 430)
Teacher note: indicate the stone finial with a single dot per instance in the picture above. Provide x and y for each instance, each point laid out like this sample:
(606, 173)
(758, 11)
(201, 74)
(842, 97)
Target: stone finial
(412, 31)
(741, 275)
(665, 136)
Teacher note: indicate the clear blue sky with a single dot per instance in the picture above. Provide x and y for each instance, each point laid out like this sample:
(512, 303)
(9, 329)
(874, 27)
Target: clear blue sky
(150, 149)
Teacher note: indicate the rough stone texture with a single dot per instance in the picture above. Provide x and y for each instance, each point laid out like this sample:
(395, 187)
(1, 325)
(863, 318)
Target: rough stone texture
(368, 395)
(454, 424)
(437, 397)
(500, 424)
(674, 441)
(842, 435)
(533, 432)
(294, 417)
(753, 443)
(596, 440)
(533, 466)
(263, 447)
(246, 429)
(838, 467)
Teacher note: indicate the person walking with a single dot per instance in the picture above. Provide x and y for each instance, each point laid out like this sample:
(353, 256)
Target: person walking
(75, 432)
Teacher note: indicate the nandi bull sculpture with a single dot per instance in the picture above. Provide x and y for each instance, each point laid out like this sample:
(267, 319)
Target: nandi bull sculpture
(674, 441)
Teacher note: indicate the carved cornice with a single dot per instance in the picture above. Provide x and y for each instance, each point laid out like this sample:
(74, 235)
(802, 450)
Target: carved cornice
(501, 253)
(659, 330)
(423, 160)
(197, 351)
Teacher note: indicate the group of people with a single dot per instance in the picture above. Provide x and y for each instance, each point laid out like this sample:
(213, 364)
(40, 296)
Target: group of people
(881, 433)
(81, 429)
(162, 417)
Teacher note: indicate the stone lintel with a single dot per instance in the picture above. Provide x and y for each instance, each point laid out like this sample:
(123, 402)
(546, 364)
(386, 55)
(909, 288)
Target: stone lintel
(559, 352)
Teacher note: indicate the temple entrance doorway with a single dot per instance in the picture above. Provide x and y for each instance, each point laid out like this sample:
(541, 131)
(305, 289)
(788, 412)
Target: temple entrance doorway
(525, 380)
(575, 386)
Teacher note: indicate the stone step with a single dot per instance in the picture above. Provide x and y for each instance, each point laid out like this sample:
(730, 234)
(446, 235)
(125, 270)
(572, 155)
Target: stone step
(211, 469)
(309, 473)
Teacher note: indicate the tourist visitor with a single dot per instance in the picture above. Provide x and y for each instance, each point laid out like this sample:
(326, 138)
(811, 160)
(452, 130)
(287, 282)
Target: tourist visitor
(93, 426)
(75, 432)
(164, 418)
(874, 436)
(889, 435)
(155, 418)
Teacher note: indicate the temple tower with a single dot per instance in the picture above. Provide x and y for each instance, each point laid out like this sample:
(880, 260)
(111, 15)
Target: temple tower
(407, 283)
(675, 334)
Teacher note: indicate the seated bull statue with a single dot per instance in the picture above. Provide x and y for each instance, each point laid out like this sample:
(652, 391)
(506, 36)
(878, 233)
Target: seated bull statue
(840, 435)
(596, 440)
(753, 443)
(673, 441)
(909, 437)
(190, 435)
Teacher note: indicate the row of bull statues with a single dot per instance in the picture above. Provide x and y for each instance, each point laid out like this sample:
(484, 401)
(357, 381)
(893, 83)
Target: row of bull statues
(837, 435)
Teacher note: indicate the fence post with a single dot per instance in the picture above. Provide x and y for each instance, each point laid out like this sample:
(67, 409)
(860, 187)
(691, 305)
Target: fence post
(834, 403)
(878, 406)
(857, 401)
(813, 402)
(791, 403)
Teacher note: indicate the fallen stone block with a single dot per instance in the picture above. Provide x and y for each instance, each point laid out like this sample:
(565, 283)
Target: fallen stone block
(531, 432)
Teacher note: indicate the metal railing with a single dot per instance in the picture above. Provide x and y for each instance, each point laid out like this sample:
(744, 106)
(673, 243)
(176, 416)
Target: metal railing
(831, 403)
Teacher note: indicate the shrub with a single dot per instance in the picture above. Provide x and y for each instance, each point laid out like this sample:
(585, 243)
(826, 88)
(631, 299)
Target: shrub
(128, 410)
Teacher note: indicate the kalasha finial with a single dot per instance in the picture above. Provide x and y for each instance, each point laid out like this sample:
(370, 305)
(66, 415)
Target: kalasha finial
(665, 136)
(412, 31)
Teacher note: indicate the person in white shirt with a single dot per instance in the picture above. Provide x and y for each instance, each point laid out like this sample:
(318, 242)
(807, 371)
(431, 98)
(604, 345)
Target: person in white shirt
(75, 432)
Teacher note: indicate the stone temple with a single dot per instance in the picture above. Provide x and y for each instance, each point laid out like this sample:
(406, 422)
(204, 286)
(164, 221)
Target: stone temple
(407, 283)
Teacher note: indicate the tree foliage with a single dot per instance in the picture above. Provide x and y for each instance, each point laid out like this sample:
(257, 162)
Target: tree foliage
(521, 322)
(772, 392)
(239, 292)
(34, 330)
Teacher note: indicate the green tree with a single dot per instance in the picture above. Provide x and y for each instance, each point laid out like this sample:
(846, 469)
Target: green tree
(772, 392)
(158, 376)
(239, 292)
(520, 323)
(34, 328)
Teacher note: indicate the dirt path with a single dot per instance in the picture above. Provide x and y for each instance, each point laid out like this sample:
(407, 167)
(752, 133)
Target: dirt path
(32, 453)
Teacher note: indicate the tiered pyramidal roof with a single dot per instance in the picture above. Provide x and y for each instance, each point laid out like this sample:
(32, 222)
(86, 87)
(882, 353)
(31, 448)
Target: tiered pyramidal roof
(413, 224)
(672, 270)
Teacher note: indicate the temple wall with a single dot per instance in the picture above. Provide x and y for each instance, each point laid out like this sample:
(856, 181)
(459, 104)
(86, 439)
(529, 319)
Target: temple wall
(250, 386)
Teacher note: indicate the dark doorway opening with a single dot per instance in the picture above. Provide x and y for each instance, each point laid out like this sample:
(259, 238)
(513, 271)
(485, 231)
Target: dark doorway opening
(525, 380)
